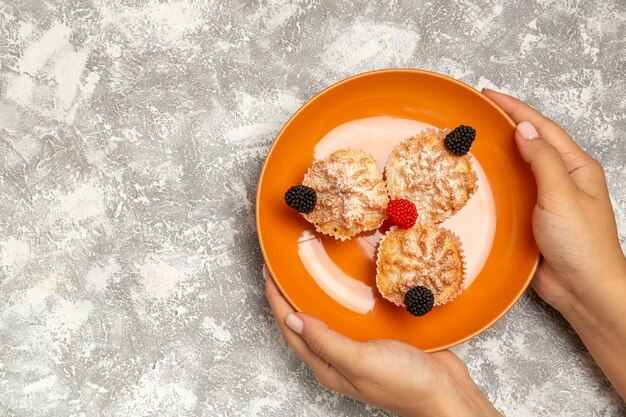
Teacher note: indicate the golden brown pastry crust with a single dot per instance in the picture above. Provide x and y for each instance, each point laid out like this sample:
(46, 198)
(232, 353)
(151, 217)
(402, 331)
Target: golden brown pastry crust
(422, 255)
(422, 170)
(351, 194)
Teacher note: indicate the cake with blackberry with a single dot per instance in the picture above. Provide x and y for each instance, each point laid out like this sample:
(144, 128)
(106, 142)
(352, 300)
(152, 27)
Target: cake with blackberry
(342, 195)
(432, 170)
(420, 267)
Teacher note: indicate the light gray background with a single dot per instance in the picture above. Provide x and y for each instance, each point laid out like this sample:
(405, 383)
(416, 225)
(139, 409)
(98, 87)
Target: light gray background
(131, 138)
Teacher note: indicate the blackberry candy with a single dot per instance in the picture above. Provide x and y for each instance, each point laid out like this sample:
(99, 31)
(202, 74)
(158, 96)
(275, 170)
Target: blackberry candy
(419, 300)
(459, 141)
(301, 198)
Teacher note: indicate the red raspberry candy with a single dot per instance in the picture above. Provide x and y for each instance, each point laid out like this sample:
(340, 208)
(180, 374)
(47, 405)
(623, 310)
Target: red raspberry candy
(402, 212)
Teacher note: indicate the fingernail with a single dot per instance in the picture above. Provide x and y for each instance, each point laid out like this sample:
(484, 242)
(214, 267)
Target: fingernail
(527, 131)
(266, 273)
(294, 323)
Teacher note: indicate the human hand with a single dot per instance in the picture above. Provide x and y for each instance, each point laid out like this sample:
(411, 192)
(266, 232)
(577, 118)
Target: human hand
(573, 220)
(385, 373)
(583, 270)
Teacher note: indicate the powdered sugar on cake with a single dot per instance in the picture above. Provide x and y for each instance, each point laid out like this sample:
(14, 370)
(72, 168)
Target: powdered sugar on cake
(422, 170)
(351, 194)
(424, 255)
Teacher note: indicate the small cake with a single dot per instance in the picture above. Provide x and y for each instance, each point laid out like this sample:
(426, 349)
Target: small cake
(350, 194)
(431, 174)
(424, 256)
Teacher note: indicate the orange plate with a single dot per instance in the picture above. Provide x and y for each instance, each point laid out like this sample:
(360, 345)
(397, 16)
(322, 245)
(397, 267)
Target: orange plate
(430, 98)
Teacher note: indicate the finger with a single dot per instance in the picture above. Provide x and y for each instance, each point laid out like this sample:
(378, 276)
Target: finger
(336, 349)
(545, 161)
(516, 109)
(550, 131)
(278, 304)
(583, 169)
(326, 375)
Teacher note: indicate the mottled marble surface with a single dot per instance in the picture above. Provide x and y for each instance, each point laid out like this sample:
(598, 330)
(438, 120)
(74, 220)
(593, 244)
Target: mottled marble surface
(131, 138)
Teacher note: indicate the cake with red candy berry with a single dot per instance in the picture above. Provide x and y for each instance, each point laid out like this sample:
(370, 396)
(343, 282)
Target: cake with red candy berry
(433, 170)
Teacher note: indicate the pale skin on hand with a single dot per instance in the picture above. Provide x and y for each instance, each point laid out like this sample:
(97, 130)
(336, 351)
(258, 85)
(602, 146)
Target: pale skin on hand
(583, 270)
(582, 274)
(384, 373)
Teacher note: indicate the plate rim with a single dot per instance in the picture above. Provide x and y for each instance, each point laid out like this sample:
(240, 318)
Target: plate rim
(347, 80)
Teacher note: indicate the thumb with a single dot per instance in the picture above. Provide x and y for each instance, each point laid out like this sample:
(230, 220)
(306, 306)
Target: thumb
(331, 346)
(545, 160)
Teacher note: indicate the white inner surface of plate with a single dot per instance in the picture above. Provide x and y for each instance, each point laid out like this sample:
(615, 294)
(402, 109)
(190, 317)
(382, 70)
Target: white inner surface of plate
(474, 224)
